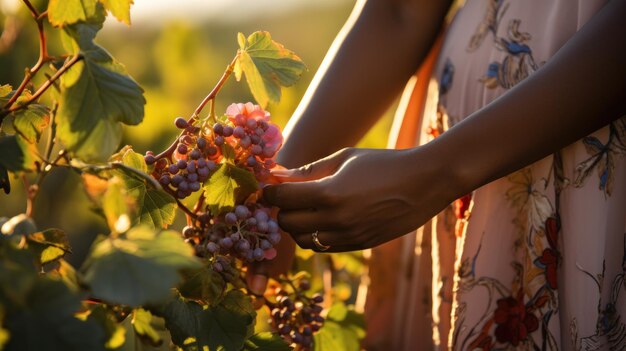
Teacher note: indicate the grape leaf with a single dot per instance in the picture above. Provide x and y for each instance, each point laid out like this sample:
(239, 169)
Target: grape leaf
(15, 154)
(97, 95)
(142, 325)
(342, 330)
(49, 245)
(119, 8)
(154, 207)
(203, 284)
(5, 90)
(39, 310)
(115, 334)
(268, 66)
(138, 267)
(228, 185)
(31, 122)
(224, 326)
(64, 12)
(266, 341)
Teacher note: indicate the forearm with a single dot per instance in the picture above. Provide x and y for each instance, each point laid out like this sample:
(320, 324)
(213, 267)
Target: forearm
(370, 61)
(581, 89)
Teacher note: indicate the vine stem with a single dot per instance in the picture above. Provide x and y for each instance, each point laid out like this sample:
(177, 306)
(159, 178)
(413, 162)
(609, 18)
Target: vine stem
(209, 98)
(43, 58)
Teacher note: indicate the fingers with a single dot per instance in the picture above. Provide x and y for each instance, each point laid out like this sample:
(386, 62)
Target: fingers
(306, 221)
(327, 242)
(316, 170)
(291, 196)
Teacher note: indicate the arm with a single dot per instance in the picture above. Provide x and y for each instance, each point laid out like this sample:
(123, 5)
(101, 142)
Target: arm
(379, 48)
(581, 89)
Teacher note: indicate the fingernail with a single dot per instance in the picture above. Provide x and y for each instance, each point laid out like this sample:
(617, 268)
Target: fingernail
(258, 285)
(283, 172)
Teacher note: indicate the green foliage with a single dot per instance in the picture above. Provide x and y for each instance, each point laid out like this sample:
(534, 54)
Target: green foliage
(16, 154)
(223, 326)
(142, 325)
(342, 330)
(119, 8)
(64, 12)
(203, 284)
(150, 206)
(265, 342)
(227, 185)
(138, 267)
(48, 245)
(268, 66)
(31, 122)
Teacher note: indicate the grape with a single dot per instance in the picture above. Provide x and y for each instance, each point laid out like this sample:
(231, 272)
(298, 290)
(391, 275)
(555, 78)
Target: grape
(230, 218)
(173, 169)
(228, 131)
(261, 216)
(243, 245)
(195, 154)
(217, 266)
(259, 131)
(258, 254)
(251, 221)
(149, 159)
(183, 186)
(272, 226)
(203, 172)
(264, 244)
(211, 165)
(236, 236)
(191, 167)
(181, 123)
(192, 177)
(181, 164)
(251, 161)
(218, 129)
(177, 179)
(245, 142)
(202, 143)
(242, 212)
(219, 140)
(201, 162)
(240, 120)
(194, 186)
(165, 179)
(239, 132)
(182, 149)
(188, 232)
(317, 298)
(226, 242)
(211, 150)
(212, 247)
(251, 123)
(255, 139)
(262, 226)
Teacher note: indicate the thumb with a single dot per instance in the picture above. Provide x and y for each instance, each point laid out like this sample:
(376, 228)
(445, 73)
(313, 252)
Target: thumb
(319, 169)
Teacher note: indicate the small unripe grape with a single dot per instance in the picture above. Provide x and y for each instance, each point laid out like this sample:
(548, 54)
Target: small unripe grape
(230, 218)
(181, 123)
(317, 298)
(182, 149)
(149, 159)
(181, 164)
(304, 285)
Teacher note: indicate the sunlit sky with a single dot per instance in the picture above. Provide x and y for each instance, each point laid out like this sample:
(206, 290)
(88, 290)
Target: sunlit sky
(149, 11)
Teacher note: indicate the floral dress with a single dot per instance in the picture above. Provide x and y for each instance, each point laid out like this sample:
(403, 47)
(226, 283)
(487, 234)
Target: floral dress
(535, 260)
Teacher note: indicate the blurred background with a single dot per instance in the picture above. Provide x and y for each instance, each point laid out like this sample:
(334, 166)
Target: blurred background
(176, 50)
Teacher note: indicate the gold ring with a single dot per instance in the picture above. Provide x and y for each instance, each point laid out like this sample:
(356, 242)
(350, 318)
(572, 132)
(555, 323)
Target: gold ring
(317, 242)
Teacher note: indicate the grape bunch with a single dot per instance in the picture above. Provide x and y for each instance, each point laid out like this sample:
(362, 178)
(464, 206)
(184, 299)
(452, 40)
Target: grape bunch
(247, 233)
(295, 316)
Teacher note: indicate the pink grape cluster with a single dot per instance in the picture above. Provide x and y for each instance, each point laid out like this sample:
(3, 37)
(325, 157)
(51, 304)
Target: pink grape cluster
(296, 317)
(247, 232)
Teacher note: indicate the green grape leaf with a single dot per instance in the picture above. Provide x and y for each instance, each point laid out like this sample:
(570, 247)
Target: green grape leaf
(119, 8)
(15, 154)
(138, 267)
(221, 327)
(143, 327)
(266, 341)
(115, 334)
(154, 207)
(97, 95)
(40, 310)
(343, 329)
(5, 90)
(49, 245)
(64, 12)
(268, 66)
(228, 185)
(31, 122)
(203, 284)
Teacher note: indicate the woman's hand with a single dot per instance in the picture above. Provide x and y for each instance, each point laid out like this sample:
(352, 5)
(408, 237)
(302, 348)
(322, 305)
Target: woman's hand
(358, 198)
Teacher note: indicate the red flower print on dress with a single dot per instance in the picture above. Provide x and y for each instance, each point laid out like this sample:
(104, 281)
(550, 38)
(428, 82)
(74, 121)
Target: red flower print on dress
(514, 321)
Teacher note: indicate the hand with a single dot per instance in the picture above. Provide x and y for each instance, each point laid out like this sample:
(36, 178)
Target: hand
(359, 198)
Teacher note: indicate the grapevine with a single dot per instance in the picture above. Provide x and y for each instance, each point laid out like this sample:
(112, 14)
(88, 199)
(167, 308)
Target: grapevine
(146, 282)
